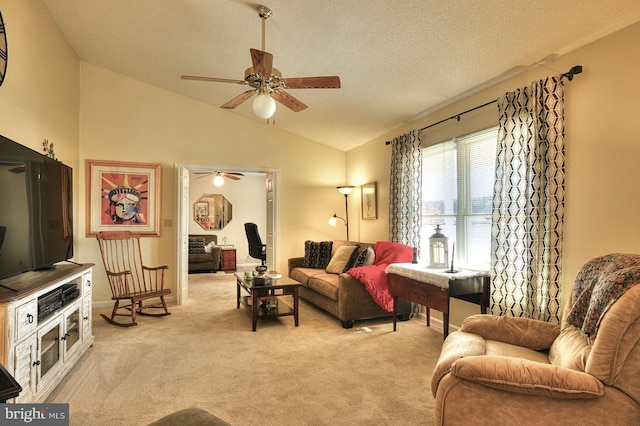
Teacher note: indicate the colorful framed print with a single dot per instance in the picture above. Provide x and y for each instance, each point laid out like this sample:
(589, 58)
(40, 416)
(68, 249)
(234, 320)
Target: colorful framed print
(369, 201)
(123, 196)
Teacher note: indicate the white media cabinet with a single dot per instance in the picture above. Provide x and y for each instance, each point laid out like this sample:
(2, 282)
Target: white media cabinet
(40, 352)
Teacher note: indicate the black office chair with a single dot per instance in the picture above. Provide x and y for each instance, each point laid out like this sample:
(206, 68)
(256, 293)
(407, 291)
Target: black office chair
(257, 250)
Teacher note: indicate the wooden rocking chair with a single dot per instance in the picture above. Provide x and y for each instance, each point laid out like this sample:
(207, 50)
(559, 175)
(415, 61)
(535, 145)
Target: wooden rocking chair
(129, 278)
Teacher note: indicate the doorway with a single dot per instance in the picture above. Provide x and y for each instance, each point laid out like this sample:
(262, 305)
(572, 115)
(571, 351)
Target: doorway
(185, 180)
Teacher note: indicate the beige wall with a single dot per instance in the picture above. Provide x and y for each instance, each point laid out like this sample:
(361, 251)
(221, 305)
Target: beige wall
(602, 148)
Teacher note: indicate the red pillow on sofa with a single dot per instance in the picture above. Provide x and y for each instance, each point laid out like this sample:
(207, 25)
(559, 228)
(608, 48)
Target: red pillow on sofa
(388, 252)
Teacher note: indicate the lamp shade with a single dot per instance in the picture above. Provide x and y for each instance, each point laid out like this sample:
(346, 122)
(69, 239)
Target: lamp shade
(264, 106)
(345, 190)
(333, 221)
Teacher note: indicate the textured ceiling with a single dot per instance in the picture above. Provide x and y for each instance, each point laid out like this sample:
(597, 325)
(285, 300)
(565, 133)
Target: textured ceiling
(396, 59)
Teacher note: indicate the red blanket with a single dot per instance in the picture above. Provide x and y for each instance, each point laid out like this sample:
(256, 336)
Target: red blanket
(374, 278)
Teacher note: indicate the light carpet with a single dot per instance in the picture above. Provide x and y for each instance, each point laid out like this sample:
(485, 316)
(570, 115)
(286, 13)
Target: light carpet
(205, 355)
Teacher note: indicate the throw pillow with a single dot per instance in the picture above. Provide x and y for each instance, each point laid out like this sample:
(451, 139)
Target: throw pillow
(365, 258)
(209, 247)
(317, 254)
(196, 245)
(341, 260)
(388, 252)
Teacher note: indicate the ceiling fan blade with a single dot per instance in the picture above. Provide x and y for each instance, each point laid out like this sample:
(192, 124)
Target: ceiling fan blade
(204, 174)
(232, 177)
(329, 82)
(262, 62)
(214, 79)
(238, 99)
(233, 173)
(289, 101)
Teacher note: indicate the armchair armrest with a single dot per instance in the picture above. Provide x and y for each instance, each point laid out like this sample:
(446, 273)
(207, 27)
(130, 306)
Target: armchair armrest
(527, 377)
(532, 334)
(216, 257)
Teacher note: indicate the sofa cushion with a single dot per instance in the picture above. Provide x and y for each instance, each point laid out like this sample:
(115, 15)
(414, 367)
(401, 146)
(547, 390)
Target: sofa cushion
(200, 257)
(342, 259)
(302, 275)
(317, 254)
(325, 284)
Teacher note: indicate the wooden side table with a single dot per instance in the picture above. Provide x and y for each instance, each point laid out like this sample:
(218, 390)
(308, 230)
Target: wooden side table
(474, 289)
(228, 259)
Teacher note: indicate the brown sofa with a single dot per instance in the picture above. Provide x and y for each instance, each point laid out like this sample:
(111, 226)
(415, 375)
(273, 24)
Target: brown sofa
(201, 258)
(511, 371)
(341, 295)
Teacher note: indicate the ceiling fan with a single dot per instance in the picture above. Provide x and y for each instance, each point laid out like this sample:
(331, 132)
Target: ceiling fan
(218, 178)
(267, 82)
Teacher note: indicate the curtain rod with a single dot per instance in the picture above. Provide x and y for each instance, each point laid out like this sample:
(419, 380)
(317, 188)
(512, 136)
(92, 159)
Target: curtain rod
(577, 69)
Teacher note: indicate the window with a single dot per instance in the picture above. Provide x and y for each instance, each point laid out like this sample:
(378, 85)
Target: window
(457, 194)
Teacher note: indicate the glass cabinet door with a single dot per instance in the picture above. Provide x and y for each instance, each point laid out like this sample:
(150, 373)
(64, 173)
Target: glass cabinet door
(49, 348)
(72, 329)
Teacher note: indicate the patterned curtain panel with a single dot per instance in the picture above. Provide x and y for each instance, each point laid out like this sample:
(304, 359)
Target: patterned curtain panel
(405, 189)
(528, 203)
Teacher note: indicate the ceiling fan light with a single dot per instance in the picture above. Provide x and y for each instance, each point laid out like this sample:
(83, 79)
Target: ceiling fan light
(218, 180)
(264, 106)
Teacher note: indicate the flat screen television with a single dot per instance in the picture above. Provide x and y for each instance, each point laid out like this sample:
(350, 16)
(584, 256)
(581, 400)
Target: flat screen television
(36, 210)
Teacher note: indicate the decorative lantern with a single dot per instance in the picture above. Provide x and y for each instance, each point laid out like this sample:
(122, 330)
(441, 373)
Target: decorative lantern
(438, 249)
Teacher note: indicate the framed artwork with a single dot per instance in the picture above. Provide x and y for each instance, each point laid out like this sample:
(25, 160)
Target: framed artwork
(201, 211)
(123, 196)
(369, 201)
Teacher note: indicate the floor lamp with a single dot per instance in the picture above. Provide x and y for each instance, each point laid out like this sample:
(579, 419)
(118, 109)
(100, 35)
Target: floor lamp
(344, 190)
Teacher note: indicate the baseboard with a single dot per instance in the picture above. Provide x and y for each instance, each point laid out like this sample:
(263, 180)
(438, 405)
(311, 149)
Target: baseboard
(436, 322)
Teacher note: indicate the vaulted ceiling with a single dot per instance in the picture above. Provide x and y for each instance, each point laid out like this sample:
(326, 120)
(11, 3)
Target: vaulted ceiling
(397, 60)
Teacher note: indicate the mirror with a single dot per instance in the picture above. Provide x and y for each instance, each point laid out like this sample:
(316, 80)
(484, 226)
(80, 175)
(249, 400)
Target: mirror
(212, 211)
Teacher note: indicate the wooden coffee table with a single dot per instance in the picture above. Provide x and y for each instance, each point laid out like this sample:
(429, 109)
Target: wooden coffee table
(267, 300)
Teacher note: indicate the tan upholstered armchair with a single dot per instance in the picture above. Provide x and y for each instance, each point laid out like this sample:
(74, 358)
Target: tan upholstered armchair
(503, 370)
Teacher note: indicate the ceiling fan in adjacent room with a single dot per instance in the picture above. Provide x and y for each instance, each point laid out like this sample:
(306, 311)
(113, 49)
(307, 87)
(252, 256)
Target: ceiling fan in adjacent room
(218, 178)
(267, 82)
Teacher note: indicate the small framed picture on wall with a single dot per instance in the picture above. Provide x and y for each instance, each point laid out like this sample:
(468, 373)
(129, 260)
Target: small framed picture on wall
(369, 201)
